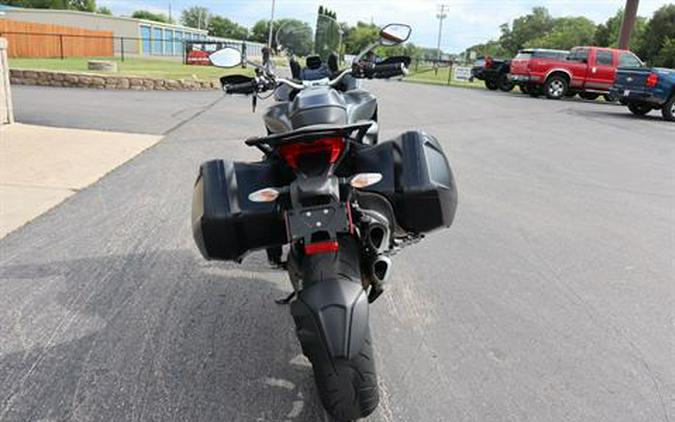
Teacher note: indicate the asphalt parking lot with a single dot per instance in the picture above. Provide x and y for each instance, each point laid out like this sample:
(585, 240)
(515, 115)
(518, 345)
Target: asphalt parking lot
(551, 299)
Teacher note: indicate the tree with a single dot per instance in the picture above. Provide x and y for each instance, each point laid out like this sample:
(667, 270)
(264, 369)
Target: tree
(196, 17)
(607, 34)
(658, 35)
(358, 37)
(220, 26)
(491, 48)
(102, 10)
(525, 28)
(151, 16)
(666, 57)
(566, 33)
(260, 31)
(81, 5)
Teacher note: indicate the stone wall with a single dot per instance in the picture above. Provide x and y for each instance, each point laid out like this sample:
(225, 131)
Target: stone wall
(92, 80)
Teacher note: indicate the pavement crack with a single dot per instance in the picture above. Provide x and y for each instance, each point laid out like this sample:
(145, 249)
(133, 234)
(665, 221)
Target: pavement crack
(194, 116)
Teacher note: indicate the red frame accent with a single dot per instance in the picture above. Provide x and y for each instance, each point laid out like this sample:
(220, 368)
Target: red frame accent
(292, 152)
(652, 80)
(321, 247)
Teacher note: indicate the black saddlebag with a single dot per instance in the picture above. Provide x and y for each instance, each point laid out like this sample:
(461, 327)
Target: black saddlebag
(417, 180)
(225, 224)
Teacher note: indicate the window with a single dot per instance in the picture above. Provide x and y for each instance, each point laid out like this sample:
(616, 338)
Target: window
(604, 57)
(524, 55)
(579, 55)
(553, 55)
(629, 60)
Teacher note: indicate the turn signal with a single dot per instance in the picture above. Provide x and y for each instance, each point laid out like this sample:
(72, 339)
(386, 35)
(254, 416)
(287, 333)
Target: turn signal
(264, 195)
(363, 180)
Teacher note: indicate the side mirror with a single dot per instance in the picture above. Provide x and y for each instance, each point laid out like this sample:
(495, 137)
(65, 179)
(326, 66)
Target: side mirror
(394, 33)
(226, 57)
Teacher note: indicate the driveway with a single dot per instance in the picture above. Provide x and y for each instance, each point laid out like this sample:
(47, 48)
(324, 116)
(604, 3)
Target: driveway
(551, 298)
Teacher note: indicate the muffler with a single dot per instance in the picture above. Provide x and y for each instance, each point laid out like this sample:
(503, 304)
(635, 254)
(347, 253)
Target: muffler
(380, 269)
(378, 237)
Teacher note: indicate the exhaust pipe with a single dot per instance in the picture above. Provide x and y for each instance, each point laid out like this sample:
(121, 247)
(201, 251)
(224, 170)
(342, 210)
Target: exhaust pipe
(380, 269)
(378, 237)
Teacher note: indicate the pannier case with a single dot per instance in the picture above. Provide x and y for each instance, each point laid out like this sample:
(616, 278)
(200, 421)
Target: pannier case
(417, 180)
(225, 224)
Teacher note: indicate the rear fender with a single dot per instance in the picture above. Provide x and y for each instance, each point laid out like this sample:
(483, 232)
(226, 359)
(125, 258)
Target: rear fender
(332, 317)
(331, 310)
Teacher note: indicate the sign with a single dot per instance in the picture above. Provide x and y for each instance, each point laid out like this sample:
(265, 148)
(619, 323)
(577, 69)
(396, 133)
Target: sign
(198, 52)
(462, 73)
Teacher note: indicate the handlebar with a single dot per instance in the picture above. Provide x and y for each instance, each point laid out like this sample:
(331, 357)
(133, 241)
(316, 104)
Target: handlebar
(269, 81)
(245, 88)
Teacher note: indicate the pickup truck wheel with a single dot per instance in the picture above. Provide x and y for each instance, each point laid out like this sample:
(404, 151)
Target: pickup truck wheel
(668, 110)
(491, 85)
(556, 87)
(639, 109)
(504, 83)
(589, 96)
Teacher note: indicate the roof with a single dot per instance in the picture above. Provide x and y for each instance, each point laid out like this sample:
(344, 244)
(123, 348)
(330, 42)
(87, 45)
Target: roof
(98, 15)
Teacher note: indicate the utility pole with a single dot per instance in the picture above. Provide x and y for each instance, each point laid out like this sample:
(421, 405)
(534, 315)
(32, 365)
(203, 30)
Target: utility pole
(441, 15)
(170, 17)
(269, 39)
(629, 16)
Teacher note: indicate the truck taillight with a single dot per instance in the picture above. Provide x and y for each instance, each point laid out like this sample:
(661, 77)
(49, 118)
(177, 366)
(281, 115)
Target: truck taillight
(652, 80)
(330, 147)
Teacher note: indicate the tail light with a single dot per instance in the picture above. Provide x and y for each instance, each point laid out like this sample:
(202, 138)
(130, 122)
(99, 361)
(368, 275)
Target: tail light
(321, 247)
(330, 147)
(652, 80)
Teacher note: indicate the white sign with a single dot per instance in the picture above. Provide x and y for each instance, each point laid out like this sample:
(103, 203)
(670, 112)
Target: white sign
(462, 73)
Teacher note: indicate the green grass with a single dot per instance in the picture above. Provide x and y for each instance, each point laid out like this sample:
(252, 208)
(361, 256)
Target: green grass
(142, 67)
(430, 76)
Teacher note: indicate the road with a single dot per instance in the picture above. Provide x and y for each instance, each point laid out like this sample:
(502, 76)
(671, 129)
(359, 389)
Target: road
(551, 298)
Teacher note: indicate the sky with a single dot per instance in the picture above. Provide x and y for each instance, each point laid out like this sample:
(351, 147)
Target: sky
(468, 22)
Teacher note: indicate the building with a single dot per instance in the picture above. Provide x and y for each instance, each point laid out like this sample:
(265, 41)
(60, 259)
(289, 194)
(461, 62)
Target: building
(135, 36)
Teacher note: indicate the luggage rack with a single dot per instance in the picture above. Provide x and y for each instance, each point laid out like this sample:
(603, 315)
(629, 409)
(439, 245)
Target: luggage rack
(310, 134)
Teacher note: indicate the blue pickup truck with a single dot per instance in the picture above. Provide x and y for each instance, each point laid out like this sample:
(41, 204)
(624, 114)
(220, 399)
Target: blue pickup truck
(644, 89)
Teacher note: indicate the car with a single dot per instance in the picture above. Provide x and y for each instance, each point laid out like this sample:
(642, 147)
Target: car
(534, 57)
(494, 73)
(645, 89)
(587, 71)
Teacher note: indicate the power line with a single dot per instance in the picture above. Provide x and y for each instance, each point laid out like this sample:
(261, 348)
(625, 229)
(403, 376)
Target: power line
(440, 16)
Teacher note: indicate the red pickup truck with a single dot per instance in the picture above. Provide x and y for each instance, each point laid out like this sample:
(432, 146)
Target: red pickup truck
(587, 71)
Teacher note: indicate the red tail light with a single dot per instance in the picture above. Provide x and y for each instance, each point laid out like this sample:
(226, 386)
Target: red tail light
(321, 247)
(652, 80)
(333, 147)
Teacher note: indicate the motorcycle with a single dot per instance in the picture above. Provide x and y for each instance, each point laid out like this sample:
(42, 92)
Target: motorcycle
(340, 202)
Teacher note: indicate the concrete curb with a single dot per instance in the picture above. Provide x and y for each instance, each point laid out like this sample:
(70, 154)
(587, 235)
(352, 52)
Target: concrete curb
(99, 81)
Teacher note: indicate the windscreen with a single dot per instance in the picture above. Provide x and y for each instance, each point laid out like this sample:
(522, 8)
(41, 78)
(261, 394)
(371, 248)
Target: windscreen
(294, 38)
